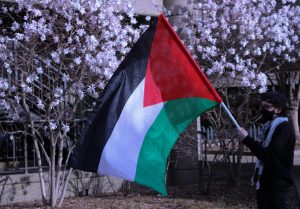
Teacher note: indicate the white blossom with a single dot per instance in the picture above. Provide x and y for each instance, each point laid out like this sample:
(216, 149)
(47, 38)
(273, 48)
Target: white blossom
(80, 32)
(40, 70)
(245, 82)
(253, 86)
(77, 60)
(66, 51)
(6, 65)
(19, 36)
(40, 104)
(31, 78)
(55, 57)
(80, 94)
(55, 103)
(262, 89)
(37, 12)
(70, 40)
(3, 84)
(68, 27)
(92, 91)
(65, 128)
(58, 92)
(231, 51)
(15, 26)
(43, 37)
(65, 77)
(26, 88)
(262, 79)
(53, 125)
(17, 99)
(4, 105)
(92, 42)
(13, 88)
(56, 39)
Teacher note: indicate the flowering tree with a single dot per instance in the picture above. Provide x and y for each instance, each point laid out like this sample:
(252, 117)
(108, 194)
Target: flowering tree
(247, 43)
(55, 59)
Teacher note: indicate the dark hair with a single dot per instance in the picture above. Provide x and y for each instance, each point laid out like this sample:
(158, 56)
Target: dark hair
(278, 100)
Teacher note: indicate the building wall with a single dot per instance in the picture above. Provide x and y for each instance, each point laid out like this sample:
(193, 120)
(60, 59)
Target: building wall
(147, 7)
(26, 187)
(142, 7)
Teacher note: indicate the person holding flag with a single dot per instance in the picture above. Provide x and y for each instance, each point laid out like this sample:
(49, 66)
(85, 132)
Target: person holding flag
(274, 151)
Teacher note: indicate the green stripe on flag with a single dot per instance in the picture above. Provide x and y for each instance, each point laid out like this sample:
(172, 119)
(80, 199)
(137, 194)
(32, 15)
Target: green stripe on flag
(162, 135)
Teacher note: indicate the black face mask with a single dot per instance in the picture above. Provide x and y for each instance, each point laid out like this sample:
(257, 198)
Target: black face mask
(267, 115)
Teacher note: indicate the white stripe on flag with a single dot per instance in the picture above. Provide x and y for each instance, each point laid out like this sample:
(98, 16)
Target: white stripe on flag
(121, 152)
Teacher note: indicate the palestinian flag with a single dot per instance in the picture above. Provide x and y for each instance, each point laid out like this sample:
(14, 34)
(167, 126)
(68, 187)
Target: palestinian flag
(155, 93)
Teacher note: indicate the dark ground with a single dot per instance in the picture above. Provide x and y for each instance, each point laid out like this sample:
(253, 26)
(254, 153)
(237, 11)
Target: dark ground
(180, 197)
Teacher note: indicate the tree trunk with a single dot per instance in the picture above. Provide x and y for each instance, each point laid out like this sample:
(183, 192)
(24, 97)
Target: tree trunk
(295, 117)
(178, 9)
(66, 181)
(41, 177)
(33, 133)
(294, 92)
(179, 17)
(52, 176)
(59, 177)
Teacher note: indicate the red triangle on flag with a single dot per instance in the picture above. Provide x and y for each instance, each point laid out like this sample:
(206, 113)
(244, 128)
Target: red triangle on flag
(172, 73)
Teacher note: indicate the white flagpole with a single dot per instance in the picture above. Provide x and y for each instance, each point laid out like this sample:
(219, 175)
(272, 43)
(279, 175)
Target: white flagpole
(230, 115)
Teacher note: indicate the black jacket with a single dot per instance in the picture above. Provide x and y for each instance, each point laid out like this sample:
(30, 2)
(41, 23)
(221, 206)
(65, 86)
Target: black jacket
(277, 158)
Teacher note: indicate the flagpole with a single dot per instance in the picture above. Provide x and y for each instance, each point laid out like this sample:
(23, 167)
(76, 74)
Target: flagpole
(229, 114)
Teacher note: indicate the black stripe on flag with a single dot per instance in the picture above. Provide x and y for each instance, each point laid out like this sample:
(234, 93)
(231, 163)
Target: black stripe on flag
(98, 128)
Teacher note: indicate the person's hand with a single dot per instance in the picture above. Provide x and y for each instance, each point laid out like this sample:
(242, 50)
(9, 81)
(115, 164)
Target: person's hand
(242, 133)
